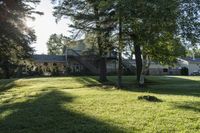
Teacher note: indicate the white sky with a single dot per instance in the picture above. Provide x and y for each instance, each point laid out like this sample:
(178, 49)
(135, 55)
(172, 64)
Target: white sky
(45, 25)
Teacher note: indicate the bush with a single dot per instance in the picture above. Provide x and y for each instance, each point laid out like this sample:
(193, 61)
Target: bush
(184, 71)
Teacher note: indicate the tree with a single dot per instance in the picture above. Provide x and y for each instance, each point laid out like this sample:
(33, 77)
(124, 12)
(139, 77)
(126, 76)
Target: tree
(15, 36)
(189, 24)
(153, 28)
(194, 53)
(56, 44)
(90, 16)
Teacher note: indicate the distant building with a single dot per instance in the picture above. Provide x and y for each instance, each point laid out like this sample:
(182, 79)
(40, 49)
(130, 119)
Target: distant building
(77, 59)
(193, 64)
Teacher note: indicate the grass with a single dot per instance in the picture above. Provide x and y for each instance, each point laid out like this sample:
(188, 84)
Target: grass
(82, 104)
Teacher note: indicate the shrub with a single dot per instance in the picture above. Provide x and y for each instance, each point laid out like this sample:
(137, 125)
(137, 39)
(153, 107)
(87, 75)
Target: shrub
(184, 71)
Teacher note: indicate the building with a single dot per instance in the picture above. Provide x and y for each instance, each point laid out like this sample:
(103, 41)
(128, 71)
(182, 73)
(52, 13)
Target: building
(192, 64)
(78, 58)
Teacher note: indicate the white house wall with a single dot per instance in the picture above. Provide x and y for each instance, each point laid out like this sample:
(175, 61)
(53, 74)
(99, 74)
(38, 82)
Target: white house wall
(193, 67)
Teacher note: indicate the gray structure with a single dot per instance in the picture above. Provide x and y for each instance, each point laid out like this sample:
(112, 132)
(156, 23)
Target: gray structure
(74, 63)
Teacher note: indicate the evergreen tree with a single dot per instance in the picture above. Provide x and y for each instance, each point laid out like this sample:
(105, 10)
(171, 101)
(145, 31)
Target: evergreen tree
(90, 16)
(15, 36)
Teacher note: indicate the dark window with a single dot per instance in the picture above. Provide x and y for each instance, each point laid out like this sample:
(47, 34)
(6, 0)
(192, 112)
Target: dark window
(46, 64)
(165, 70)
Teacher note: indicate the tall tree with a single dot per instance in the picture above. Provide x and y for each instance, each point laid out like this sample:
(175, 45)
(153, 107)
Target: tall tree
(153, 26)
(15, 36)
(90, 16)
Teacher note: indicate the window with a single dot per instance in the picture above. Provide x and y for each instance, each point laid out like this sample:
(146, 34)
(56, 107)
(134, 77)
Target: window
(76, 68)
(165, 70)
(46, 64)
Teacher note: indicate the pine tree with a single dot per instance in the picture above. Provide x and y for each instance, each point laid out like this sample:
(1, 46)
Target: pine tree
(90, 16)
(15, 36)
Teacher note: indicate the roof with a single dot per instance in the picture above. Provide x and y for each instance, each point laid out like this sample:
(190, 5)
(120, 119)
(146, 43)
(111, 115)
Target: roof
(49, 58)
(196, 60)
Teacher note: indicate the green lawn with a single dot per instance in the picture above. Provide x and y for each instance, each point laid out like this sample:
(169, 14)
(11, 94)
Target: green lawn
(82, 104)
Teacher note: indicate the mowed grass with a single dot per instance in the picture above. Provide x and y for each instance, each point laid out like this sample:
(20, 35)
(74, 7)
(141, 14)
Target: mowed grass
(82, 104)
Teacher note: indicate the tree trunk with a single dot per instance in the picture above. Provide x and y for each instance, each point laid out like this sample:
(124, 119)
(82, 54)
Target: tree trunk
(145, 67)
(6, 70)
(19, 71)
(138, 58)
(102, 63)
(120, 49)
(119, 82)
(103, 70)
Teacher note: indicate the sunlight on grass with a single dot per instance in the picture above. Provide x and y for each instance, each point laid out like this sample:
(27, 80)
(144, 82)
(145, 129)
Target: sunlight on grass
(82, 104)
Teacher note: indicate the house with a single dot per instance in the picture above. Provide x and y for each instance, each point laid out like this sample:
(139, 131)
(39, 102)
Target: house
(75, 61)
(192, 64)
(156, 68)
(78, 58)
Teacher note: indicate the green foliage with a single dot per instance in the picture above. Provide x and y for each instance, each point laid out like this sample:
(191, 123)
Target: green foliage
(152, 25)
(15, 36)
(188, 20)
(56, 44)
(165, 50)
(194, 52)
(88, 17)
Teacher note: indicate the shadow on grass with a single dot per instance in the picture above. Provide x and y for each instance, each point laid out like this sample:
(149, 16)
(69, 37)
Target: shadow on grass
(7, 84)
(174, 86)
(92, 81)
(156, 84)
(190, 106)
(45, 114)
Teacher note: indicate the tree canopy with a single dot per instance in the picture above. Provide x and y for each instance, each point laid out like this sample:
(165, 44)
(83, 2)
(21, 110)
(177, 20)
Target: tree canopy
(15, 36)
(56, 44)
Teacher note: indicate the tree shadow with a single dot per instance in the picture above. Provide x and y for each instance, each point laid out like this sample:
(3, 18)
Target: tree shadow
(158, 85)
(93, 82)
(190, 106)
(6, 84)
(174, 86)
(167, 85)
(47, 114)
(88, 81)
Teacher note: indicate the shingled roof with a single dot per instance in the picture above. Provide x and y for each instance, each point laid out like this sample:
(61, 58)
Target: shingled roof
(49, 58)
(196, 60)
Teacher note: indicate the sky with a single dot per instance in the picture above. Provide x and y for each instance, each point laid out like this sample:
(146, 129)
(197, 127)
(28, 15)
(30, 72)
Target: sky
(46, 25)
